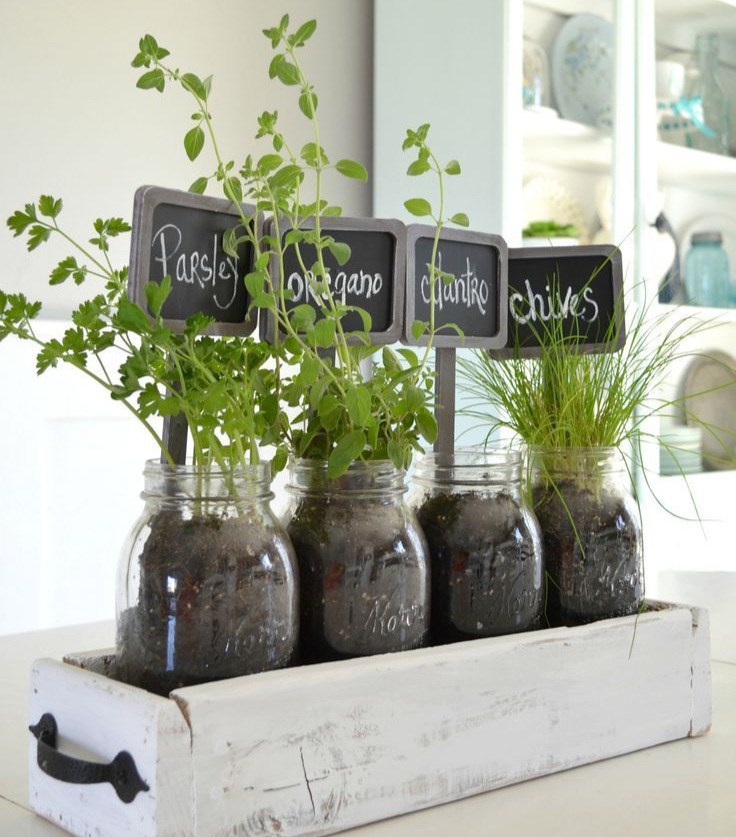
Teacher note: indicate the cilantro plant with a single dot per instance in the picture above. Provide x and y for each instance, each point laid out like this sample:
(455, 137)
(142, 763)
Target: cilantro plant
(339, 413)
(221, 386)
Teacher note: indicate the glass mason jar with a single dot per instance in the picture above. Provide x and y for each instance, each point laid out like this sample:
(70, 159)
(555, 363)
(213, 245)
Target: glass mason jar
(592, 533)
(707, 273)
(208, 581)
(710, 108)
(363, 561)
(535, 72)
(485, 544)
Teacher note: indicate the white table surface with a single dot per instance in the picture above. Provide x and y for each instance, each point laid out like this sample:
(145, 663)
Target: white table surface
(683, 789)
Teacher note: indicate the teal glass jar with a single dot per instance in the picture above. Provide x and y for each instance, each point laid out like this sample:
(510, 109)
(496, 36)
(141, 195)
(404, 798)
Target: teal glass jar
(707, 271)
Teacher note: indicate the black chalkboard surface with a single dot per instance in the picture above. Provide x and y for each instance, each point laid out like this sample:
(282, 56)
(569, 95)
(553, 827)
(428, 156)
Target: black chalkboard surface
(580, 286)
(180, 234)
(475, 301)
(372, 279)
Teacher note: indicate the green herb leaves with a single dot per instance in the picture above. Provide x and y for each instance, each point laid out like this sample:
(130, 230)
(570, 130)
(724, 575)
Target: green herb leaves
(350, 168)
(218, 385)
(319, 391)
(418, 206)
(194, 143)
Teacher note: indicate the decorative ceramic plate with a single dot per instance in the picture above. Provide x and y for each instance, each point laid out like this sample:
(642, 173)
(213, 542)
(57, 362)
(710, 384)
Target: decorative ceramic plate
(709, 389)
(546, 199)
(582, 69)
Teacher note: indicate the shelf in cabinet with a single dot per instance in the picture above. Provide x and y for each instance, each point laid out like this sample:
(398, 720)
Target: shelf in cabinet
(716, 316)
(575, 7)
(692, 169)
(679, 20)
(701, 479)
(704, 493)
(549, 140)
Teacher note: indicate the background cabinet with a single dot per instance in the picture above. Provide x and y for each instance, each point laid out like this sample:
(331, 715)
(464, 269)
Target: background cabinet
(473, 99)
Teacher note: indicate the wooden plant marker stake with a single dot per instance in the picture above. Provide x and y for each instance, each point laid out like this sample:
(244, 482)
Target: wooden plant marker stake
(174, 436)
(445, 396)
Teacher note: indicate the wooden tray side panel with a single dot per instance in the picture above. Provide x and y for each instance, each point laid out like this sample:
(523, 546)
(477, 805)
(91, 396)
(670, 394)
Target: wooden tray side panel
(341, 745)
(701, 688)
(98, 717)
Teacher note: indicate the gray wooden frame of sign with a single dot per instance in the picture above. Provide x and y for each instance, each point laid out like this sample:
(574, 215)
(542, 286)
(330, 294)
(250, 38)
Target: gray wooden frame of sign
(613, 254)
(147, 198)
(455, 341)
(398, 279)
(446, 344)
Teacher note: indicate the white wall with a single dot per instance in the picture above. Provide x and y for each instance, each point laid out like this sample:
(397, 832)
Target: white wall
(75, 126)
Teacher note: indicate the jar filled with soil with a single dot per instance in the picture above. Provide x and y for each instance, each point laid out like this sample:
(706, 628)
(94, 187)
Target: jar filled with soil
(208, 581)
(363, 561)
(592, 534)
(485, 543)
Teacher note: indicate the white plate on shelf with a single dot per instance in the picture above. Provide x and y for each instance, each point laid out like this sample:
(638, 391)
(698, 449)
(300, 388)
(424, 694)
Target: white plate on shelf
(582, 69)
(546, 199)
(722, 223)
(709, 387)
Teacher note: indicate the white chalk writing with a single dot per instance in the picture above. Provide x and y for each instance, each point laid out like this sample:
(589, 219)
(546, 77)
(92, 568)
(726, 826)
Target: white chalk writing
(360, 285)
(466, 290)
(212, 268)
(530, 306)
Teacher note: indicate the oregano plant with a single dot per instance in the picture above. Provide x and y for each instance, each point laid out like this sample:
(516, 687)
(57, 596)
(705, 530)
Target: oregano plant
(337, 411)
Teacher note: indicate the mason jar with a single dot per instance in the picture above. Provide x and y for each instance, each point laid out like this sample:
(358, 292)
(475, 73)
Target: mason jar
(485, 544)
(363, 561)
(592, 533)
(707, 272)
(207, 583)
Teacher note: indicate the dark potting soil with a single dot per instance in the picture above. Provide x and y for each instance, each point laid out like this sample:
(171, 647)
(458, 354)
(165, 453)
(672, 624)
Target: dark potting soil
(218, 598)
(603, 579)
(364, 579)
(487, 572)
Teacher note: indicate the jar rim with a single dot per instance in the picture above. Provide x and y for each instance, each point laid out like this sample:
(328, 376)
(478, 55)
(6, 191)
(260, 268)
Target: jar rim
(576, 459)
(182, 482)
(368, 478)
(598, 450)
(470, 466)
(190, 468)
(472, 456)
(355, 465)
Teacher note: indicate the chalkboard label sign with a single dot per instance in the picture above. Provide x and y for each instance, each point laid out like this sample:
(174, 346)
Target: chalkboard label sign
(578, 287)
(179, 234)
(372, 279)
(475, 301)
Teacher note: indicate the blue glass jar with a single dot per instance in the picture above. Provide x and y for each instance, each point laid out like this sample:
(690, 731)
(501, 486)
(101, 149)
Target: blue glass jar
(707, 272)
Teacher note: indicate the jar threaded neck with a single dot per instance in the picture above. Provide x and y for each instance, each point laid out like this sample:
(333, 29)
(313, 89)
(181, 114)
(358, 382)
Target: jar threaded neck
(468, 466)
(190, 482)
(368, 479)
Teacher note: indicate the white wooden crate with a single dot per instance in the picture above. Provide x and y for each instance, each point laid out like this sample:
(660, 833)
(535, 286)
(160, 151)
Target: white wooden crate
(318, 749)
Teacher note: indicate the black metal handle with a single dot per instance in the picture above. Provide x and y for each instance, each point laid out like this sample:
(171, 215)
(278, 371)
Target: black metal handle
(672, 280)
(121, 772)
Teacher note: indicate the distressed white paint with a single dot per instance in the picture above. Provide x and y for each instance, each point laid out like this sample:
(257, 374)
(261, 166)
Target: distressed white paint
(318, 749)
